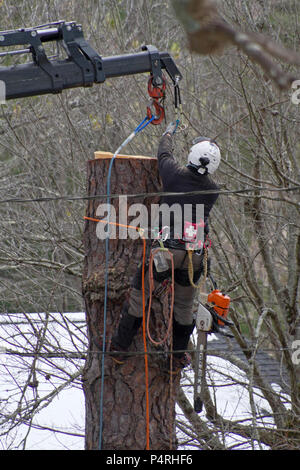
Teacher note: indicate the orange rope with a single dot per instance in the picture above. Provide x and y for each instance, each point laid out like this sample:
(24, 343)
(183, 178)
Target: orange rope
(112, 223)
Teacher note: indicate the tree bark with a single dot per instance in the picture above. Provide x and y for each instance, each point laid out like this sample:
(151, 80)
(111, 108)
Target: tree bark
(124, 390)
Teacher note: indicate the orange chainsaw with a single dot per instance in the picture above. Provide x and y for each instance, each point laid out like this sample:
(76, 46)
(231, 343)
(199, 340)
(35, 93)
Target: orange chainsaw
(210, 318)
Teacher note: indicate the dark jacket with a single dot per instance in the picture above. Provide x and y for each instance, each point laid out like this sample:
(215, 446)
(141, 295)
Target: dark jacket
(176, 178)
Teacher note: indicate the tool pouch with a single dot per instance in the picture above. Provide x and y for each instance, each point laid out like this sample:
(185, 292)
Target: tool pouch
(161, 267)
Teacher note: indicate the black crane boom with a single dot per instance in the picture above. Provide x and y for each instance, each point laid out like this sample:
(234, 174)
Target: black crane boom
(82, 67)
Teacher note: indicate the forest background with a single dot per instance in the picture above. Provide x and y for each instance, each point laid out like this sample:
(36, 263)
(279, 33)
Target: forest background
(46, 141)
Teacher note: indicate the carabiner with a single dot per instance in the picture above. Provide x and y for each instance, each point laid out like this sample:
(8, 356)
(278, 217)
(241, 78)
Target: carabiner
(159, 113)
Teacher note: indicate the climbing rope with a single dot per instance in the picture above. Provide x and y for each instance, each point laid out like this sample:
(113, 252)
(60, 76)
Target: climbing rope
(145, 348)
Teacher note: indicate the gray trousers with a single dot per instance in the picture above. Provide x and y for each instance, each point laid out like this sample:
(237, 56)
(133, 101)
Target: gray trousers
(184, 295)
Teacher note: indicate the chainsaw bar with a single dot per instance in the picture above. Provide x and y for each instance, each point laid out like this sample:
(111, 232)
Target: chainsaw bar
(206, 322)
(200, 371)
(204, 325)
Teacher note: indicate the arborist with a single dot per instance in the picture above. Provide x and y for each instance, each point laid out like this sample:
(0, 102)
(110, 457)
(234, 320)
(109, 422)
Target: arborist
(202, 161)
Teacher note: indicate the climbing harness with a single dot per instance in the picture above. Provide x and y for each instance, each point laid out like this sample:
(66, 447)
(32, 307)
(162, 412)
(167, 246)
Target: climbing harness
(163, 289)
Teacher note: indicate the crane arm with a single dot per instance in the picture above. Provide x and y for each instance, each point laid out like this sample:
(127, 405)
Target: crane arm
(82, 67)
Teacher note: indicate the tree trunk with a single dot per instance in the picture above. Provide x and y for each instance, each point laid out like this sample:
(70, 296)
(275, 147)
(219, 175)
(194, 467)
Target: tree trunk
(124, 388)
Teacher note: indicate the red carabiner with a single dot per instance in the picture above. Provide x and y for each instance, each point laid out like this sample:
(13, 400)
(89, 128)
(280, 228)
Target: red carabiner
(158, 115)
(157, 93)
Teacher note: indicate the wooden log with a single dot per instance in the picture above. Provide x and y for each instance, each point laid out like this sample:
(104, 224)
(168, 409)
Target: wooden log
(124, 397)
(103, 155)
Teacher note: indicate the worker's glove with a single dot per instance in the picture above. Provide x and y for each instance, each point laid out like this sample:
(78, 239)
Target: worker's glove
(171, 128)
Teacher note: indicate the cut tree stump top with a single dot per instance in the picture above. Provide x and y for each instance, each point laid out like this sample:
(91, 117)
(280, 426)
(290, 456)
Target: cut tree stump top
(109, 155)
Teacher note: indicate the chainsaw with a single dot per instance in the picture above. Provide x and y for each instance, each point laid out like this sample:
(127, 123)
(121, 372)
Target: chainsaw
(210, 318)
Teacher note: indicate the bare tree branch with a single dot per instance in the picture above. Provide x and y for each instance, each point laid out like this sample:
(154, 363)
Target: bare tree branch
(208, 33)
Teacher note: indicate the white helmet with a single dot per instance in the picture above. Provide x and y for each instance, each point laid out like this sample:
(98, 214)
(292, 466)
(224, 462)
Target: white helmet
(204, 155)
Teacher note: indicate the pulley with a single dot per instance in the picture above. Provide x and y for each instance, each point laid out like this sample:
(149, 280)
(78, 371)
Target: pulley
(157, 95)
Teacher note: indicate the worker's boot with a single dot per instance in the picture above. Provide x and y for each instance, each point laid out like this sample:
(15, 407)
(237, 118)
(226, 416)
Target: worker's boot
(181, 337)
(127, 330)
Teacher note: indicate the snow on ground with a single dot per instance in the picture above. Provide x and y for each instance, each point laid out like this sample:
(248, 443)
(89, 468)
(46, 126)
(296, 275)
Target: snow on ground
(65, 412)
(231, 396)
